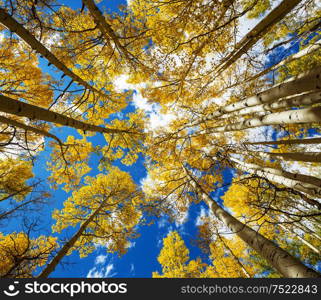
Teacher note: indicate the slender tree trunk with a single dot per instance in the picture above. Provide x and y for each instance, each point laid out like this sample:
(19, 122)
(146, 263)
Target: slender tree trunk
(245, 272)
(8, 213)
(25, 189)
(23, 33)
(258, 32)
(309, 81)
(15, 193)
(308, 50)
(67, 246)
(306, 188)
(282, 261)
(307, 230)
(299, 116)
(108, 33)
(307, 99)
(38, 131)
(292, 156)
(310, 180)
(288, 142)
(105, 28)
(314, 249)
(15, 107)
(301, 227)
(226, 5)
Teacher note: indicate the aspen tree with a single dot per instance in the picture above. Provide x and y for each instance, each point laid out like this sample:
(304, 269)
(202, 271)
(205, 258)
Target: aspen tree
(304, 141)
(14, 26)
(300, 116)
(12, 106)
(106, 209)
(284, 178)
(21, 255)
(282, 261)
(309, 81)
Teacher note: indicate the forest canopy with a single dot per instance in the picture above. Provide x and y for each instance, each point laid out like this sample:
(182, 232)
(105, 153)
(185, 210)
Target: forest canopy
(116, 121)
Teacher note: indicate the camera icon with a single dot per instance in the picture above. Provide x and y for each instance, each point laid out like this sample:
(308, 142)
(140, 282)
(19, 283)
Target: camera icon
(12, 292)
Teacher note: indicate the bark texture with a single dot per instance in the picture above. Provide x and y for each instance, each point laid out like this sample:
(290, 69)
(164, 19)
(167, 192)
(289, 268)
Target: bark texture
(308, 50)
(258, 32)
(298, 116)
(23, 33)
(306, 99)
(282, 261)
(67, 246)
(277, 176)
(307, 141)
(293, 156)
(308, 81)
(33, 112)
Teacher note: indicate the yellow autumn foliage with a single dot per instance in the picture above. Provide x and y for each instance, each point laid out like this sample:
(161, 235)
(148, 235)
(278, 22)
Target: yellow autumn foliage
(115, 224)
(14, 174)
(20, 255)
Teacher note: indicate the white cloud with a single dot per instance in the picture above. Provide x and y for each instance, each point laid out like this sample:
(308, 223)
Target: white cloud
(95, 273)
(102, 273)
(181, 219)
(132, 269)
(120, 84)
(162, 222)
(108, 271)
(159, 243)
(142, 103)
(156, 118)
(247, 24)
(52, 39)
(131, 244)
(152, 110)
(100, 259)
(181, 227)
(203, 213)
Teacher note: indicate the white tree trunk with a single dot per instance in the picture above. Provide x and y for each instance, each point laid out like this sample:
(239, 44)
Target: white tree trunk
(278, 258)
(306, 99)
(17, 28)
(254, 35)
(311, 180)
(314, 249)
(297, 185)
(245, 272)
(299, 225)
(67, 246)
(308, 50)
(104, 27)
(292, 156)
(309, 81)
(306, 141)
(15, 107)
(299, 116)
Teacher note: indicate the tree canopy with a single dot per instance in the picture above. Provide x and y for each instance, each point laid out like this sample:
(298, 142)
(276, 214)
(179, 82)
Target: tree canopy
(218, 102)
